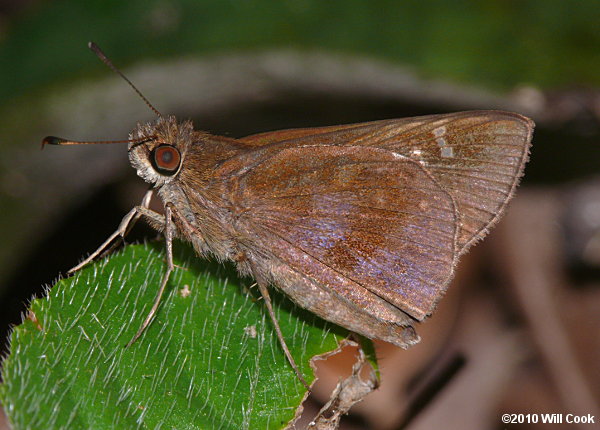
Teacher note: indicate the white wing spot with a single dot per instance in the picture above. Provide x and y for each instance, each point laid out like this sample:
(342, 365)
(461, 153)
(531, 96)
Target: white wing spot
(417, 152)
(440, 131)
(447, 152)
(396, 155)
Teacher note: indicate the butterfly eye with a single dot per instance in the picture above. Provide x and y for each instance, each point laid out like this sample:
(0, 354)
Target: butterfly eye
(166, 159)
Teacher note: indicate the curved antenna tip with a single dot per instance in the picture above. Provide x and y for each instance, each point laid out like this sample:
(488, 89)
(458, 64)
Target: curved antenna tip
(52, 140)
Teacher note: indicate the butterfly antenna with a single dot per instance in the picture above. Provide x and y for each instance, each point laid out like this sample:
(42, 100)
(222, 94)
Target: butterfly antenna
(96, 50)
(53, 140)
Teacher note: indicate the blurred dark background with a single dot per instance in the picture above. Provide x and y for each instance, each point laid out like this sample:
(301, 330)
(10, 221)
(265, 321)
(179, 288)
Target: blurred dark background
(518, 331)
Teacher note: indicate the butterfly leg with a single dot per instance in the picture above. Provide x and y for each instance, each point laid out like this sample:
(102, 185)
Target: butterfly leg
(125, 227)
(168, 223)
(172, 219)
(265, 294)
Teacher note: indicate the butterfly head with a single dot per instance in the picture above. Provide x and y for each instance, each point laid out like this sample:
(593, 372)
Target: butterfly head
(157, 149)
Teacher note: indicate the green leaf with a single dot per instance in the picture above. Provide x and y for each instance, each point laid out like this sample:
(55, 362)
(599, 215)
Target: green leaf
(210, 359)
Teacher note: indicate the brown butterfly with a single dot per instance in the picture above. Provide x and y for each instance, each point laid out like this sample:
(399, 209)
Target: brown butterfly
(361, 224)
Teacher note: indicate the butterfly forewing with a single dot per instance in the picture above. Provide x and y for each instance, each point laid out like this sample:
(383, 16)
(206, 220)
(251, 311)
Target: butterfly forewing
(386, 206)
